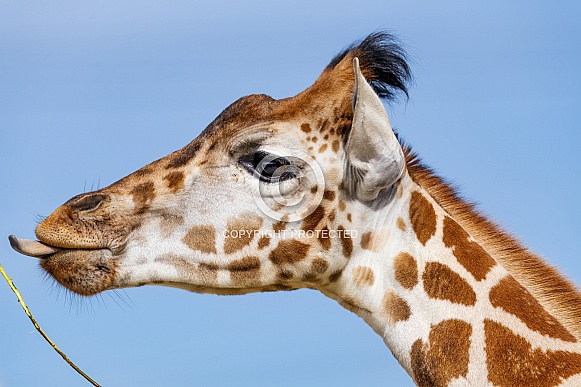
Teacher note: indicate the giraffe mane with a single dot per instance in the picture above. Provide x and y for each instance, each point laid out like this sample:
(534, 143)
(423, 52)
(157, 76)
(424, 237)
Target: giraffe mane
(383, 62)
(543, 281)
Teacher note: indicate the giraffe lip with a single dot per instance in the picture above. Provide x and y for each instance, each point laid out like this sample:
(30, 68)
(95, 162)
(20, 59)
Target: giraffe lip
(32, 248)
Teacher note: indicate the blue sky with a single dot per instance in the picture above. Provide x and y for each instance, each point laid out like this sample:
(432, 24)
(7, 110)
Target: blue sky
(90, 92)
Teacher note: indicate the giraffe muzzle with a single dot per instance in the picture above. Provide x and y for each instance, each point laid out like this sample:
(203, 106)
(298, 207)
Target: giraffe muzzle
(32, 248)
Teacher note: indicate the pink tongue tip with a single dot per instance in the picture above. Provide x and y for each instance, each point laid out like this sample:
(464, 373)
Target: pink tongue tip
(31, 248)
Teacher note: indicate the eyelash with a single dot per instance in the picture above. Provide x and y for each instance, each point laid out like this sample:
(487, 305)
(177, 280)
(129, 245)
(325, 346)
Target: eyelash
(268, 167)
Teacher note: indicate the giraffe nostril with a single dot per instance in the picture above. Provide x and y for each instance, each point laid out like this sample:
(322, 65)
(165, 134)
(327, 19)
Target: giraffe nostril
(87, 202)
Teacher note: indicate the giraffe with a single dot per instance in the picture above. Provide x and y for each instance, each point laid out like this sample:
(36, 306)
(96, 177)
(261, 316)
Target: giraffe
(457, 300)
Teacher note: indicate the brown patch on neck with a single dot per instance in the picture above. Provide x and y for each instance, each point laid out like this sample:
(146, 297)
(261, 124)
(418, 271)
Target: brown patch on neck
(445, 356)
(405, 270)
(335, 146)
(442, 283)
(328, 195)
(470, 254)
(324, 238)
(423, 217)
(395, 308)
(201, 238)
(544, 282)
(346, 243)
(512, 361)
(366, 240)
(510, 296)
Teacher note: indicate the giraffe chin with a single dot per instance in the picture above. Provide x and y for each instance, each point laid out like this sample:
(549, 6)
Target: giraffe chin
(85, 272)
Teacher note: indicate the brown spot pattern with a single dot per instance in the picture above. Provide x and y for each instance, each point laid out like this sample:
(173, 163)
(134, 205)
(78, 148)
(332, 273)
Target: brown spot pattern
(442, 283)
(395, 307)
(311, 221)
(423, 217)
(470, 254)
(323, 148)
(285, 275)
(366, 240)
(399, 192)
(201, 238)
(142, 195)
(168, 223)
(329, 195)
(175, 181)
(405, 270)
(245, 269)
(319, 265)
(512, 361)
(346, 243)
(363, 276)
(240, 232)
(335, 146)
(288, 252)
(183, 156)
(334, 277)
(509, 295)
(279, 226)
(202, 273)
(324, 238)
(263, 242)
(306, 128)
(445, 356)
(401, 224)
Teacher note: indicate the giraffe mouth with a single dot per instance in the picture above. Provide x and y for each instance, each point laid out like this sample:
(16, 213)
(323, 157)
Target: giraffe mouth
(83, 271)
(32, 248)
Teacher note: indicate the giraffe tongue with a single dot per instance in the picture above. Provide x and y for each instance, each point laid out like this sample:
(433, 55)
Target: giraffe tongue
(31, 248)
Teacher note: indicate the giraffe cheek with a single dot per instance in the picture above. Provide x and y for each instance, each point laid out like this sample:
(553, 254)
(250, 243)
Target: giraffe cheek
(85, 272)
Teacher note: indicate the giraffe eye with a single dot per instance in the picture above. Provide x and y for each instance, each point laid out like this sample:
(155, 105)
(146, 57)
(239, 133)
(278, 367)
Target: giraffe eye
(268, 167)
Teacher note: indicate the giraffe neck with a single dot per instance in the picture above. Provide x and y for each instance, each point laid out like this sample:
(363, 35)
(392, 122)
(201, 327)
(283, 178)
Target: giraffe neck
(447, 309)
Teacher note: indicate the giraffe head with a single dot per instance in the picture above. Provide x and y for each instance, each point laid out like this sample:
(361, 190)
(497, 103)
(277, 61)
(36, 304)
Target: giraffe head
(256, 202)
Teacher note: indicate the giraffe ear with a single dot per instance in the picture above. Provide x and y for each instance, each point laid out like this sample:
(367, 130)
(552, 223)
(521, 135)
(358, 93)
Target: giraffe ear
(375, 160)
